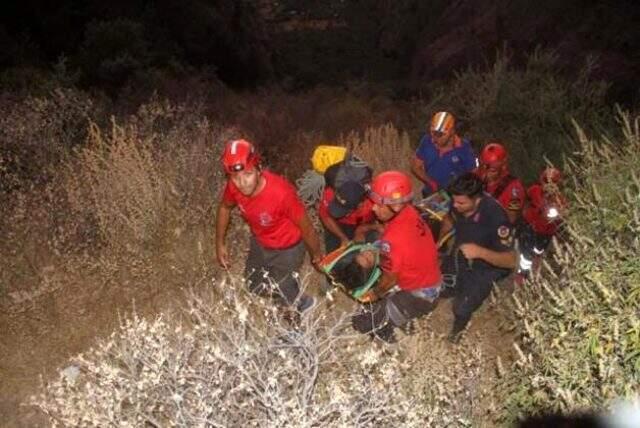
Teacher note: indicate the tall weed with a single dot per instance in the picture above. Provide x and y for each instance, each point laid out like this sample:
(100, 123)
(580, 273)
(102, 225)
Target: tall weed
(579, 321)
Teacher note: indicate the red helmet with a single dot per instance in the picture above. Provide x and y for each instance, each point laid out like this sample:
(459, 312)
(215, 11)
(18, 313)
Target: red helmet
(391, 187)
(550, 175)
(493, 155)
(239, 155)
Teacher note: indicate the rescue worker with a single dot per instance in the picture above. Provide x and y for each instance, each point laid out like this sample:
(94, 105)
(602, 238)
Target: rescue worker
(442, 155)
(342, 211)
(279, 224)
(482, 252)
(543, 215)
(410, 281)
(498, 181)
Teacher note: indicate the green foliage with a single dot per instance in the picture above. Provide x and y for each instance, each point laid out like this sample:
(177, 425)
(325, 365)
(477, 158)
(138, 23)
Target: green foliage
(580, 345)
(527, 108)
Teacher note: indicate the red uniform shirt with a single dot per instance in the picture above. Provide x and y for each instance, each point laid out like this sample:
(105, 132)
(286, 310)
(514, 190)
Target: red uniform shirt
(512, 193)
(536, 211)
(361, 215)
(272, 214)
(409, 251)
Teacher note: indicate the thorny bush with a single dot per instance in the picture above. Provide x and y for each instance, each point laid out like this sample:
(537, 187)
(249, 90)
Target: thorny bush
(243, 362)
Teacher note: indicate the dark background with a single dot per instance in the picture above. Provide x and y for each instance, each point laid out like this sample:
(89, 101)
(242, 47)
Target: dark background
(403, 44)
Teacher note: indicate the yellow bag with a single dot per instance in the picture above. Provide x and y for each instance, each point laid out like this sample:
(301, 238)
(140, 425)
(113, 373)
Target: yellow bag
(324, 156)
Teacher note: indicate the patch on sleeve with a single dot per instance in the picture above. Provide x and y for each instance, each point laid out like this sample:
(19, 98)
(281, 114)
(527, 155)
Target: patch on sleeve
(385, 247)
(504, 232)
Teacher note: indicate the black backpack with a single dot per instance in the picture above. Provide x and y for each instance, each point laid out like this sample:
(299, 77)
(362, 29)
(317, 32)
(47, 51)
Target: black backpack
(351, 168)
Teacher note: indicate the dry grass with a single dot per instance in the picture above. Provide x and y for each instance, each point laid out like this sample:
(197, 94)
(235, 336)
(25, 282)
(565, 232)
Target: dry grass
(384, 147)
(580, 345)
(128, 215)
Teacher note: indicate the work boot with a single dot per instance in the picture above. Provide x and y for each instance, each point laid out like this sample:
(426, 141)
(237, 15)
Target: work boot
(456, 331)
(386, 333)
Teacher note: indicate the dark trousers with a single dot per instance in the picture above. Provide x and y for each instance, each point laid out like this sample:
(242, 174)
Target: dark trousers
(279, 266)
(395, 310)
(532, 243)
(468, 286)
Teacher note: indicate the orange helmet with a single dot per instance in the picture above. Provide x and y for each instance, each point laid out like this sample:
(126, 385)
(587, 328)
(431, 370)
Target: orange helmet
(494, 155)
(442, 123)
(391, 187)
(550, 175)
(239, 155)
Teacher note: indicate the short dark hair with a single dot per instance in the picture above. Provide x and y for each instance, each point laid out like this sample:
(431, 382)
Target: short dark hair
(468, 184)
(351, 274)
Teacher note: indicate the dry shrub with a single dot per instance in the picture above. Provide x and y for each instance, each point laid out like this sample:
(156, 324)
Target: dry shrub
(235, 361)
(383, 147)
(580, 345)
(285, 125)
(153, 173)
(122, 184)
(146, 186)
(36, 132)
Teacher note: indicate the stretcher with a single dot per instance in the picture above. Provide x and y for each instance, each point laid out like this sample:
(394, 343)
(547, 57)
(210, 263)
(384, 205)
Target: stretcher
(343, 256)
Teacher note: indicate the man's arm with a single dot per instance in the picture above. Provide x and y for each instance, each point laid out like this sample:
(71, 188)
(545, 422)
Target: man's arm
(310, 238)
(334, 227)
(501, 259)
(417, 167)
(445, 226)
(360, 234)
(385, 283)
(223, 218)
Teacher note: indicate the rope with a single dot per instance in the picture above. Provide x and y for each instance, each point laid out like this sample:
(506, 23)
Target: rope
(310, 187)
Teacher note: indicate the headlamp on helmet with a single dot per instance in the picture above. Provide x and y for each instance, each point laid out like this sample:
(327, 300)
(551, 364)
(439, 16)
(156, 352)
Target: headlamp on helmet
(239, 155)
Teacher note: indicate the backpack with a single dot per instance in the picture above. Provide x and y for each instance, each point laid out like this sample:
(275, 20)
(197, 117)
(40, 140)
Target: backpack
(351, 168)
(344, 166)
(325, 155)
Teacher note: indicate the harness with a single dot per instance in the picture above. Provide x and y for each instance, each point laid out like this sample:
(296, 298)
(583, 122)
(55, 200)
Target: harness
(333, 258)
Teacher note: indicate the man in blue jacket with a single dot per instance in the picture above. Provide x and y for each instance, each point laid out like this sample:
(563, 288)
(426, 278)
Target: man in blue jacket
(442, 155)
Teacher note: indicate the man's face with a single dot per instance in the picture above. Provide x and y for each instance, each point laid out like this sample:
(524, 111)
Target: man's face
(246, 180)
(464, 204)
(491, 172)
(366, 259)
(441, 139)
(386, 212)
